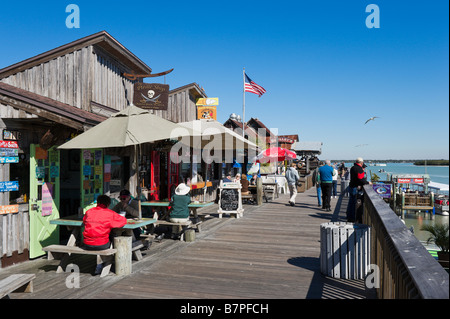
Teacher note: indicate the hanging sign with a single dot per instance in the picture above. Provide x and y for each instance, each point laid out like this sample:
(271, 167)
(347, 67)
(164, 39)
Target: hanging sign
(152, 96)
(209, 101)
(9, 209)
(11, 135)
(206, 113)
(9, 159)
(9, 186)
(9, 144)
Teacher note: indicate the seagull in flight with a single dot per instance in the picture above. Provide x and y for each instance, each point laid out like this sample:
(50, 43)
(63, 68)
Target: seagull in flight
(371, 119)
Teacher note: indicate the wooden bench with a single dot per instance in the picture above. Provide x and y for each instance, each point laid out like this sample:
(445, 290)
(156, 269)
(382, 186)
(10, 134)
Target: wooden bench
(185, 226)
(16, 283)
(63, 252)
(249, 196)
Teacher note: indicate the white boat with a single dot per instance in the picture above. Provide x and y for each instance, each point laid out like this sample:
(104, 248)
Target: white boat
(379, 164)
(441, 203)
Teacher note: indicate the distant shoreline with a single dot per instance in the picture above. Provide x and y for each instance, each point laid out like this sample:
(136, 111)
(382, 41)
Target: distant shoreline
(441, 162)
(432, 163)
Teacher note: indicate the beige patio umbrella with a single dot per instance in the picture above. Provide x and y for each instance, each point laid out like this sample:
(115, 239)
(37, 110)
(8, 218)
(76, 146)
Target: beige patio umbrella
(132, 126)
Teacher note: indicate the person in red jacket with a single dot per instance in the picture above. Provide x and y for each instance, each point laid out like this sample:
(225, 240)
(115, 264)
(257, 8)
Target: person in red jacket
(98, 222)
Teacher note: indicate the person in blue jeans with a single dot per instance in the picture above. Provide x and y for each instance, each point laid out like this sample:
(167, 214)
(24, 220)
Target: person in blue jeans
(316, 179)
(326, 183)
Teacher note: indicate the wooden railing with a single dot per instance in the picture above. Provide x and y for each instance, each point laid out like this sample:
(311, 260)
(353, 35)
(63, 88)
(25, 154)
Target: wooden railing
(407, 269)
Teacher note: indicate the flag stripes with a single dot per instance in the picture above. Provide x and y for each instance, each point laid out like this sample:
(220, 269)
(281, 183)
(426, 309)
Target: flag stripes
(252, 87)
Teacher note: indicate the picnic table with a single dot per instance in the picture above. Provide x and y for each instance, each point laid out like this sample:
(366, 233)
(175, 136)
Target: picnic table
(74, 223)
(192, 206)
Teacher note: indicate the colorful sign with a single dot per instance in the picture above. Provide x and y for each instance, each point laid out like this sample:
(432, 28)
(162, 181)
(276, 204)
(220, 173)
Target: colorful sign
(153, 96)
(9, 159)
(384, 190)
(209, 101)
(9, 144)
(409, 180)
(9, 209)
(206, 113)
(11, 135)
(9, 186)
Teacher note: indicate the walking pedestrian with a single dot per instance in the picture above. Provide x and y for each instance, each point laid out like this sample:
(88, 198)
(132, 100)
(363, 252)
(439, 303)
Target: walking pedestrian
(292, 178)
(334, 182)
(326, 183)
(316, 181)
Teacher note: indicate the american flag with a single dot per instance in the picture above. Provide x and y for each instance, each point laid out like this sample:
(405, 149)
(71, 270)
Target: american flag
(250, 86)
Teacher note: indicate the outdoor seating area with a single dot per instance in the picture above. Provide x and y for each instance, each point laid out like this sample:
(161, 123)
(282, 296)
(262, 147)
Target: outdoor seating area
(213, 257)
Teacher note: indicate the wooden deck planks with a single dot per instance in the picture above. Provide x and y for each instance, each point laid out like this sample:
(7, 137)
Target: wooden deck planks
(270, 253)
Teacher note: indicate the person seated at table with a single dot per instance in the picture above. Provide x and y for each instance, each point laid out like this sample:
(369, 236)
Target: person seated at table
(227, 179)
(254, 178)
(244, 185)
(98, 223)
(237, 178)
(127, 204)
(179, 208)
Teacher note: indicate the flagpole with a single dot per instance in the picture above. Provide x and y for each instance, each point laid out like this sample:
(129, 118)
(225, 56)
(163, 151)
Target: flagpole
(243, 103)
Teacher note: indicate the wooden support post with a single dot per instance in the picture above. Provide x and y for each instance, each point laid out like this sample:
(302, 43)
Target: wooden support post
(123, 255)
(259, 191)
(189, 235)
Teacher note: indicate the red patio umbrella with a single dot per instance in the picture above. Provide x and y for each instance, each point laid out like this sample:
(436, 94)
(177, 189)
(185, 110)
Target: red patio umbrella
(275, 154)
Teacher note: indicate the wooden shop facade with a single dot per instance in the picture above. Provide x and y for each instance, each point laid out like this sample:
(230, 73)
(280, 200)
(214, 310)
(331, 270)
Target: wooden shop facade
(52, 97)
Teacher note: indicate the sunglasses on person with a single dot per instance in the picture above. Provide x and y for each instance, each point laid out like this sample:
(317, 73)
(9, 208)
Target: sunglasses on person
(123, 197)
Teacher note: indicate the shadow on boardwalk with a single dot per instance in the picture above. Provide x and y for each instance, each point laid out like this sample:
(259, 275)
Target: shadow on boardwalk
(271, 253)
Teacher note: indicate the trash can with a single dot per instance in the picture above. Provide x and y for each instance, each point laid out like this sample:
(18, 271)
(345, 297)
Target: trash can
(344, 250)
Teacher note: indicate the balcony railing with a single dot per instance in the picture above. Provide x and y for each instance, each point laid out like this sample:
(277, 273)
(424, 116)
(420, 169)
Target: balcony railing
(407, 269)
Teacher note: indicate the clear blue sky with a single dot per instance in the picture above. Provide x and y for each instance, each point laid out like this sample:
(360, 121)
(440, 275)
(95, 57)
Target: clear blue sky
(325, 72)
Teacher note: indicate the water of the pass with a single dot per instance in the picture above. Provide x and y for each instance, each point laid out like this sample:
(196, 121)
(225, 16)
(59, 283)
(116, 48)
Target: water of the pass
(414, 220)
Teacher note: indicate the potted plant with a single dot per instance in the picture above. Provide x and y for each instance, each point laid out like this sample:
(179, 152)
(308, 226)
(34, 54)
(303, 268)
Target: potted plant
(440, 237)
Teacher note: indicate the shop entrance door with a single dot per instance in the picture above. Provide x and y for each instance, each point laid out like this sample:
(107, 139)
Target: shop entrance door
(44, 198)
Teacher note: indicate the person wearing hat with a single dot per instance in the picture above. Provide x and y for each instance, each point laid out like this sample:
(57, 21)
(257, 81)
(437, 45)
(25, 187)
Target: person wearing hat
(179, 207)
(357, 181)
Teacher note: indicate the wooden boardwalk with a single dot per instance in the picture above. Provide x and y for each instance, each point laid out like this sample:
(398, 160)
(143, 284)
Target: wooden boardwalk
(271, 253)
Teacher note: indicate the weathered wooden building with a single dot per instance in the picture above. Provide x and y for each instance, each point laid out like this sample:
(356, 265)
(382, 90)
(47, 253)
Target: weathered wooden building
(45, 100)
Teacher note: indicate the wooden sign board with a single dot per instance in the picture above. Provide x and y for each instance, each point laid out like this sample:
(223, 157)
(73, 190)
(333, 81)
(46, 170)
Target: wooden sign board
(152, 96)
(230, 199)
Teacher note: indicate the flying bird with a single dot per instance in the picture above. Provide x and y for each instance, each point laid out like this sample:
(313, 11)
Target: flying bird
(371, 119)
